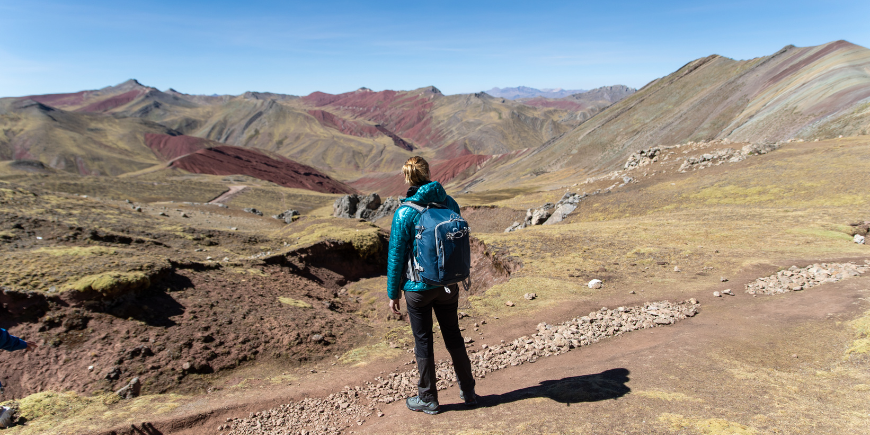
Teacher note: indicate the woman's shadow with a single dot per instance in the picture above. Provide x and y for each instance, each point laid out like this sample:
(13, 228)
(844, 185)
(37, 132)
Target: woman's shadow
(609, 384)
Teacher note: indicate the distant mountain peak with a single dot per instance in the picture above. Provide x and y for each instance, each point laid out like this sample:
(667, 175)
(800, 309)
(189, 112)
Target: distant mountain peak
(364, 89)
(528, 92)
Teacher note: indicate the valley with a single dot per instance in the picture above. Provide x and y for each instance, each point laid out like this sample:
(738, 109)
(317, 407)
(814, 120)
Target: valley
(147, 234)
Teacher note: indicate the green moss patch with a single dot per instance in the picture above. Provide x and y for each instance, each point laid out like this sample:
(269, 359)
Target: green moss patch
(112, 283)
(293, 302)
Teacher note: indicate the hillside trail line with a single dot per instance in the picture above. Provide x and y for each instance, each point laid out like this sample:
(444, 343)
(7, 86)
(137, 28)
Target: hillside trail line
(226, 196)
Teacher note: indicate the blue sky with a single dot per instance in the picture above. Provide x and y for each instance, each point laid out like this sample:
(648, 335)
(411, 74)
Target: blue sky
(206, 47)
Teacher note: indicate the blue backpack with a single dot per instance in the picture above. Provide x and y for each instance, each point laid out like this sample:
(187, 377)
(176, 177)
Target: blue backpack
(442, 253)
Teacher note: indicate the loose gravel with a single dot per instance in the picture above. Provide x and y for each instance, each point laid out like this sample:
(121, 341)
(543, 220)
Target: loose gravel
(353, 405)
(796, 279)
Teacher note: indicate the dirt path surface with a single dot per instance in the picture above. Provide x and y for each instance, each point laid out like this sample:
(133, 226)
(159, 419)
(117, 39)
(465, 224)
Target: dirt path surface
(226, 196)
(727, 370)
(744, 364)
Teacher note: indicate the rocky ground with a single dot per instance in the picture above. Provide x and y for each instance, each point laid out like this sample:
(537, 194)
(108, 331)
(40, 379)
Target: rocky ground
(354, 405)
(245, 323)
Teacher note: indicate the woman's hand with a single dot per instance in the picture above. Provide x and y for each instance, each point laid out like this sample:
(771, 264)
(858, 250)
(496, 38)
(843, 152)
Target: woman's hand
(395, 306)
(30, 346)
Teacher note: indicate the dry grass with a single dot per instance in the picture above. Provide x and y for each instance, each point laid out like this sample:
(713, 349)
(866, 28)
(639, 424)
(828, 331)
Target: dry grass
(67, 413)
(363, 235)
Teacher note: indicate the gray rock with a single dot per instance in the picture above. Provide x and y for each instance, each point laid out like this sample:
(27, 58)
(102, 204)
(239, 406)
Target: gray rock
(113, 374)
(254, 211)
(595, 284)
(130, 390)
(387, 208)
(367, 206)
(859, 239)
(345, 206)
(286, 216)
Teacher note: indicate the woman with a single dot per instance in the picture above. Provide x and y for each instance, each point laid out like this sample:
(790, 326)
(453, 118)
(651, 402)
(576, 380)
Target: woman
(422, 298)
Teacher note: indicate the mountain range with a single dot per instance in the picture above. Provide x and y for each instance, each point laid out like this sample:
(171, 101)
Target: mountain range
(359, 139)
(527, 92)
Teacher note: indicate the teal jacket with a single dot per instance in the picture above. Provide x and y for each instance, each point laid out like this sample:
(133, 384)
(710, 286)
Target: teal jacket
(402, 238)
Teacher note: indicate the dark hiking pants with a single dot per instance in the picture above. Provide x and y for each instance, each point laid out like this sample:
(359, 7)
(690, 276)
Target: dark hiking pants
(445, 305)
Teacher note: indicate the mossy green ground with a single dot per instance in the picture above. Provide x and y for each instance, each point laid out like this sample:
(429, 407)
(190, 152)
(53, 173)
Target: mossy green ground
(69, 413)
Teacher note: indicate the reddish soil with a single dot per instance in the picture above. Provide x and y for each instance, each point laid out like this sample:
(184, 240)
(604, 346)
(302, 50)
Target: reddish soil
(345, 126)
(112, 102)
(230, 160)
(199, 320)
(60, 100)
(442, 171)
(404, 113)
(167, 147)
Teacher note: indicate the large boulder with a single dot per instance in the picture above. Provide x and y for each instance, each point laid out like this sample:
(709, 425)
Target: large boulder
(564, 207)
(345, 206)
(367, 206)
(388, 207)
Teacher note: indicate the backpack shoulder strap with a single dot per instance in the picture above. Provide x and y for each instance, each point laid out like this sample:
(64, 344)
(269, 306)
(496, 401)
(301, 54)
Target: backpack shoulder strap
(417, 207)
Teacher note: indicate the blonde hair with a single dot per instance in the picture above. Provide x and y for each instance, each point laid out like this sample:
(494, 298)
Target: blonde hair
(416, 171)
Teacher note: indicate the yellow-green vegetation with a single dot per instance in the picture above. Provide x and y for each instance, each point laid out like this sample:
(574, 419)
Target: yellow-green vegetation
(861, 344)
(550, 293)
(362, 235)
(783, 205)
(502, 197)
(112, 284)
(156, 188)
(273, 199)
(392, 346)
(293, 302)
(50, 412)
(666, 395)
(705, 426)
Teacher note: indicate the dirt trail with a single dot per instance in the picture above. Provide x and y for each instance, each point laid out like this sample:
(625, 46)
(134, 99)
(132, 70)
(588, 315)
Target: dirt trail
(226, 196)
(724, 367)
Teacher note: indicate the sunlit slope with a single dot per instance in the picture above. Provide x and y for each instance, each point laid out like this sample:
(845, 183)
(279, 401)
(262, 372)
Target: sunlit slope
(82, 143)
(294, 133)
(807, 92)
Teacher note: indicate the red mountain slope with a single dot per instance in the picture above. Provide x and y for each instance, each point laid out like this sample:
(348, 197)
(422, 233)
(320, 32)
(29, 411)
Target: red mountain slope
(167, 147)
(230, 160)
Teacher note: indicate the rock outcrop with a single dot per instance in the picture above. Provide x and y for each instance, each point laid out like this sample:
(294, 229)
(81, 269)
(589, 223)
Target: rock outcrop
(549, 213)
(287, 216)
(367, 207)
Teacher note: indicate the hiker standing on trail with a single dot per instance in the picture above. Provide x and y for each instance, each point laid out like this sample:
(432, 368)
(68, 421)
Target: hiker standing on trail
(10, 343)
(423, 297)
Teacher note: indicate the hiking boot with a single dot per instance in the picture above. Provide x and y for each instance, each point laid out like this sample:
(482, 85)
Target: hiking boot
(469, 398)
(5, 417)
(416, 404)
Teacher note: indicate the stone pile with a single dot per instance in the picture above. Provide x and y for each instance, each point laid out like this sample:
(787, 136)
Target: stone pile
(287, 216)
(368, 207)
(254, 211)
(352, 405)
(643, 158)
(725, 155)
(797, 279)
(549, 213)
